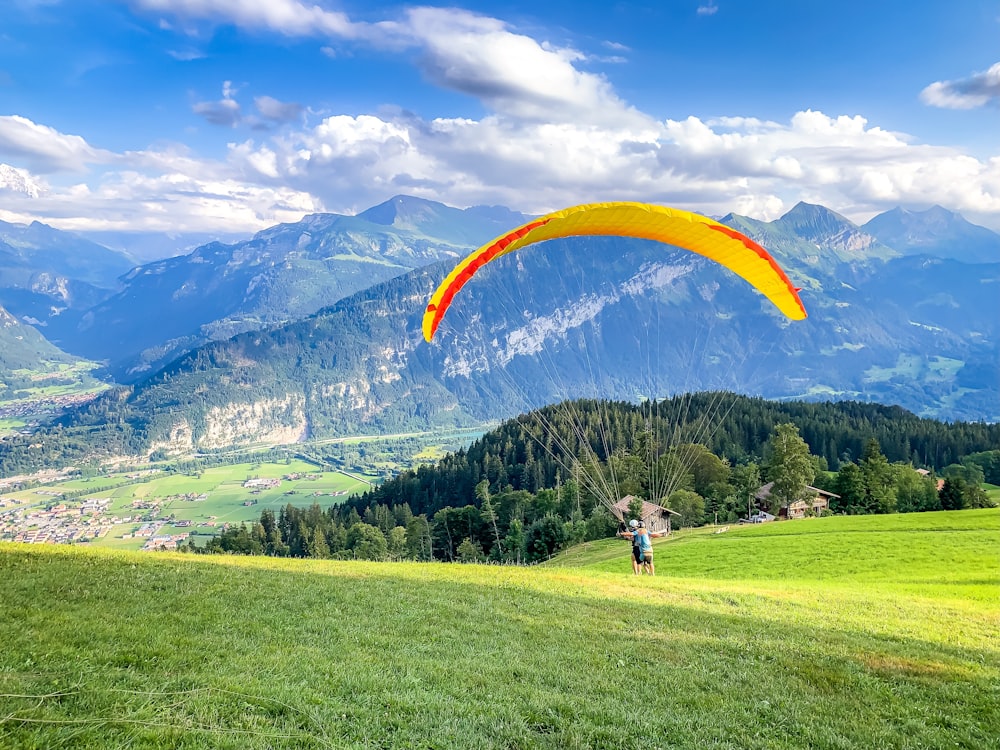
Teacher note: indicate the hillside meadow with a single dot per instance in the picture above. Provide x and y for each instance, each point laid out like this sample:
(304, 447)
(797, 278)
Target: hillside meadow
(860, 632)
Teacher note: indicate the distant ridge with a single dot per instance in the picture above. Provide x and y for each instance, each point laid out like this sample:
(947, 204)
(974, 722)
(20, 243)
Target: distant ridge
(935, 231)
(462, 227)
(22, 347)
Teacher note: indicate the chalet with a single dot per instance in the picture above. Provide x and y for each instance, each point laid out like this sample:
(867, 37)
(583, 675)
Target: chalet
(265, 484)
(816, 500)
(656, 517)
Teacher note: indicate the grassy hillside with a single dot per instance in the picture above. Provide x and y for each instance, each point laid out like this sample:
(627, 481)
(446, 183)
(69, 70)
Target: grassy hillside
(747, 639)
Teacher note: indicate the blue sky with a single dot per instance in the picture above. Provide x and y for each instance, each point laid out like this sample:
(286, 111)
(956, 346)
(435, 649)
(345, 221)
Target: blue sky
(233, 115)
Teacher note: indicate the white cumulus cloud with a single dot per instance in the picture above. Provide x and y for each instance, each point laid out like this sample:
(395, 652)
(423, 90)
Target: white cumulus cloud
(45, 149)
(975, 91)
(460, 50)
(510, 72)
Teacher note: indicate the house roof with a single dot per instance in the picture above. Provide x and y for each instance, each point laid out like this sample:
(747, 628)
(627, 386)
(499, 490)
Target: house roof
(765, 492)
(620, 508)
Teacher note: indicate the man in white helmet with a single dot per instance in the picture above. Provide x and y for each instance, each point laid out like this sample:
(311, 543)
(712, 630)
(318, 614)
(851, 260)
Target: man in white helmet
(630, 533)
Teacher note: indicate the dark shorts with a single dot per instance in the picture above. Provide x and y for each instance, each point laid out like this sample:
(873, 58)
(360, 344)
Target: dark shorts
(637, 554)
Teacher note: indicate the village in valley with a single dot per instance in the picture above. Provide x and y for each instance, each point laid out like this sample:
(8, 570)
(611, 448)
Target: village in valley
(158, 510)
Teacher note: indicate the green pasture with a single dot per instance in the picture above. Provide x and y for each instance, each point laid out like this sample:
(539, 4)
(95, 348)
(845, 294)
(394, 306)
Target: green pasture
(747, 639)
(226, 494)
(114, 538)
(944, 555)
(933, 369)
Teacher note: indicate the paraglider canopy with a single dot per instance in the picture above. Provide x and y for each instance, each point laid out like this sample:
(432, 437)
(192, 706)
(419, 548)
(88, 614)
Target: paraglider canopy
(671, 226)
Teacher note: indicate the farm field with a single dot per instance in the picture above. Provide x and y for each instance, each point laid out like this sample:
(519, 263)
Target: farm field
(201, 503)
(861, 632)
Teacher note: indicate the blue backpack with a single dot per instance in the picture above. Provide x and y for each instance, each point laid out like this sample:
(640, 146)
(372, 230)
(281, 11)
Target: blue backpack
(643, 541)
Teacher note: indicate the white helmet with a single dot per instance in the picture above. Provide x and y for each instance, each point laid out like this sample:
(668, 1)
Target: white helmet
(633, 523)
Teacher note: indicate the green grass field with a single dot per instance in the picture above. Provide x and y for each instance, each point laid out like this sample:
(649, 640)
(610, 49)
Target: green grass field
(867, 632)
(993, 491)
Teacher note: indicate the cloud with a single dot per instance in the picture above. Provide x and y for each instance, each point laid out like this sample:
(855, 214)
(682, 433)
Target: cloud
(44, 149)
(511, 73)
(187, 55)
(460, 50)
(742, 164)
(277, 111)
(350, 162)
(968, 93)
(287, 17)
(163, 191)
(552, 135)
(709, 9)
(225, 111)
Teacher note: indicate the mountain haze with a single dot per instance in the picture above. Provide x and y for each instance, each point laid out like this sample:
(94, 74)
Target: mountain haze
(23, 348)
(937, 232)
(281, 274)
(45, 272)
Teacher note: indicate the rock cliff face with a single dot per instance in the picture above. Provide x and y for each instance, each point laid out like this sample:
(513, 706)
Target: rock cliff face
(177, 440)
(277, 421)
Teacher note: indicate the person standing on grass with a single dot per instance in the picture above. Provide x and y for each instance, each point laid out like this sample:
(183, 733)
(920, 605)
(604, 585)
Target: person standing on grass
(642, 546)
(646, 547)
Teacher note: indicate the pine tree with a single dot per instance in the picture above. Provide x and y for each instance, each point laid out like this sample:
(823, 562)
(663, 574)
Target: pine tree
(487, 511)
(318, 546)
(850, 486)
(880, 484)
(952, 494)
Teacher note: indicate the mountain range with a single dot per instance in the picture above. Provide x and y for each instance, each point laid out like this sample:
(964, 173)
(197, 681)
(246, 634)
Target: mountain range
(326, 313)
(164, 308)
(45, 272)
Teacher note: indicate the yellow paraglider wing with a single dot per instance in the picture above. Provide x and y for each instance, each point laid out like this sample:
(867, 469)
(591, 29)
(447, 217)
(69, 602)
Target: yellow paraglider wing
(672, 226)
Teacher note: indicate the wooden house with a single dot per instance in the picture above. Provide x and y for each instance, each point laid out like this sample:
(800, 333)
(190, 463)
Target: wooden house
(656, 517)
(816, 500)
